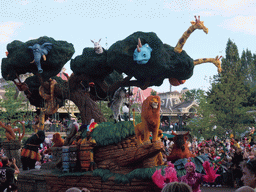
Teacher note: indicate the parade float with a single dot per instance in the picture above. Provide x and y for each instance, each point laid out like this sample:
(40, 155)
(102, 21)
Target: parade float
(100, 155)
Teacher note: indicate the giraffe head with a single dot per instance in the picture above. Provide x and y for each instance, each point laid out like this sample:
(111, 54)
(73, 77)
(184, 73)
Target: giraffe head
(199, 24)
(217, 63)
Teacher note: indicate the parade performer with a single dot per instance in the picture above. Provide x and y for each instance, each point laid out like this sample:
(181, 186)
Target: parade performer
(29, 154)
(169, 176)
(192, 178)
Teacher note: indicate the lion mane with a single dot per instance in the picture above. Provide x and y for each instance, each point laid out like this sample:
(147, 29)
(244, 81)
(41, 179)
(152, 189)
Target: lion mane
(150, 120)
(57, 140)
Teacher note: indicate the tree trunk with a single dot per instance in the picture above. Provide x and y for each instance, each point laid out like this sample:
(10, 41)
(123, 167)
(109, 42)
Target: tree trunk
(73, 91)
(87, 107)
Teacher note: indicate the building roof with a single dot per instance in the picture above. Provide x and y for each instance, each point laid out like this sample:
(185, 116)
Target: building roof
(140, 95)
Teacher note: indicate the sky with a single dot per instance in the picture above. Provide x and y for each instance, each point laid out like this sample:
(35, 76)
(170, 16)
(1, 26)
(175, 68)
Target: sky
(80, 21)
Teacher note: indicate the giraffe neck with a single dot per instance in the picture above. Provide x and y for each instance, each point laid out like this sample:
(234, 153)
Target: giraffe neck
(184, 38)
(215, 61)
(204, 60)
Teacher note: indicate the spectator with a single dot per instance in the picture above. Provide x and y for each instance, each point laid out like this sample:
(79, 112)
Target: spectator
(166, 142)
(237, 173)
(74, 189)
(177, 187)
(194, 142)
(252, 142)
(12, 188)
(7, 173)
(249, 176)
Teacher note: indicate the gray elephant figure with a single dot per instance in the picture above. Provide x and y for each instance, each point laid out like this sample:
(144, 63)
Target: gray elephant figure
(40, 51)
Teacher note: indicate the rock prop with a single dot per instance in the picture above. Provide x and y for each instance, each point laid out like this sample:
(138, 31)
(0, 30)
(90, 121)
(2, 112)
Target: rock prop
(19, 58)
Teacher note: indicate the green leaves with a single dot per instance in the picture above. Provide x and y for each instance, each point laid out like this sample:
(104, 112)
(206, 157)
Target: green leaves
(226, 103)
(11, 104)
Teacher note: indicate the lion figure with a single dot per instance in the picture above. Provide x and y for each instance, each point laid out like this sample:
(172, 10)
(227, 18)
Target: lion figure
(57, 140)
(150, 120)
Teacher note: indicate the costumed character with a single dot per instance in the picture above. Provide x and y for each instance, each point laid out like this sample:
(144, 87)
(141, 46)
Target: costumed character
(29, 154)
(150, 120)
(78, 137)
(142, 53)
(88, 144)
(180, 148)
(97, 47)
(72, 129)
(194, 179)
(169, 176)
(117, 102)
(57, 140)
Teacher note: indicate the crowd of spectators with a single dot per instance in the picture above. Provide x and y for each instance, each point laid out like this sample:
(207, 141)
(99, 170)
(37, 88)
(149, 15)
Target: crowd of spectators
(227, 156)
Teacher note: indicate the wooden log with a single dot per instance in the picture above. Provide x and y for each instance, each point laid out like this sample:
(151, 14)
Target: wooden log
(130, 155)
(106, 148)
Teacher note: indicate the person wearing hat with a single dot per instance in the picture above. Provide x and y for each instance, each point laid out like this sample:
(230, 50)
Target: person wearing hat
(194, 179)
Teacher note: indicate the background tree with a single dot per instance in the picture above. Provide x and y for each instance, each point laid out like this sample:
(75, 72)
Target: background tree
(248, 63)
(11, 104)
(203, 122)
(224, 102)
(193, 94)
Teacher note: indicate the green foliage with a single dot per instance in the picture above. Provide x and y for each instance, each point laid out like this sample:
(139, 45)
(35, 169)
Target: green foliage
(107, 112)
(153, 92)
(11, 105)
(105, 174)
(193, 94)
(140, 174)
(108, 133)
(164, 61)
(202, 124)
(224, 105)
(249, 68)
(19, 58)
(198, 161)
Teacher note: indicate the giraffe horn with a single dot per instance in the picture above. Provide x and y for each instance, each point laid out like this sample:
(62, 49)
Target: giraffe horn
(139, 42)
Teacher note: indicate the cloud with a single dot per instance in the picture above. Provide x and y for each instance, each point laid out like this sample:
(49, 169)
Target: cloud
(241, 24)
(213, 7)
(60, 1)
(7, 30)
(23, 2)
